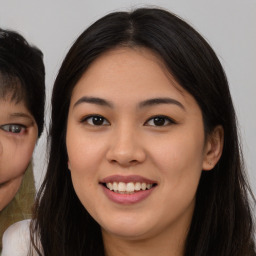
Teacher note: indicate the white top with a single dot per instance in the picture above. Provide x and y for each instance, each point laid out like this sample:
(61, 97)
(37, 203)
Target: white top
(16, 239)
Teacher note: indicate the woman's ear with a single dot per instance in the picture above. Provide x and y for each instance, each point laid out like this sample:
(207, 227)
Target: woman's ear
(213, 148)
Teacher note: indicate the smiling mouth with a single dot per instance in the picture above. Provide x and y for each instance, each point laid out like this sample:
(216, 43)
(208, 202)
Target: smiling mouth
(128, 188)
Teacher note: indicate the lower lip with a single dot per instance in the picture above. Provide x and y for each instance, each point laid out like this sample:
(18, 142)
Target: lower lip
(127, 198)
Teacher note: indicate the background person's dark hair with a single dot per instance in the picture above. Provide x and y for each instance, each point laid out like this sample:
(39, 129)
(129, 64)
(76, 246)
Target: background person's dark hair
(222, 222)
(22, 74)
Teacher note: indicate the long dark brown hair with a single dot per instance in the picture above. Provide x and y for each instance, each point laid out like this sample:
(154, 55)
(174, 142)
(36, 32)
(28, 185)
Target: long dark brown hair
(222, 223)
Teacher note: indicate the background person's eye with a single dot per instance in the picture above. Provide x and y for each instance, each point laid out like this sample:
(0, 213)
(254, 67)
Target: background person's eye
(159, 121)
(96, 120)
(13, 128)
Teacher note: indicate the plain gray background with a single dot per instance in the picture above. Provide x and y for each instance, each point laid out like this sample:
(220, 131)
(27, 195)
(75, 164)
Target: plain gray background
(228, 25)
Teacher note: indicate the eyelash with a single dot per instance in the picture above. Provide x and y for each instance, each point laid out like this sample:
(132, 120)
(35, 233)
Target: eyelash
(159, 118)
(97, 118)
(164, 120)
(13, 128)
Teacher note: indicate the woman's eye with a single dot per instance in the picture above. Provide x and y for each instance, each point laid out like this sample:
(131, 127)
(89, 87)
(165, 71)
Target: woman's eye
(13, 128)
(96, 120)
(159, 121)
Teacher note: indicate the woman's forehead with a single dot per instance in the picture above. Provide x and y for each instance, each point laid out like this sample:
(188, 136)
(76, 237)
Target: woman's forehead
(129, 75)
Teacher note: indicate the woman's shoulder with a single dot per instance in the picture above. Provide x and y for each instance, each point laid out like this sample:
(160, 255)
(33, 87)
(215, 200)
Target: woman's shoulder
(16, 239)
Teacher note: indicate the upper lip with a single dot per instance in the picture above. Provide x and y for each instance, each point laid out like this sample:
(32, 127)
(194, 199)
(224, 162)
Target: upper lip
(126, 179)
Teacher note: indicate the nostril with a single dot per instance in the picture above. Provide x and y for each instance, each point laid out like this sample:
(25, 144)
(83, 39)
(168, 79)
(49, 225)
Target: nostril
(126, 155)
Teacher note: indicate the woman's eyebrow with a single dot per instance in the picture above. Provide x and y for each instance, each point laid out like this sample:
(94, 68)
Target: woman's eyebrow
(145, 103)
(94, 100)
(157, 101)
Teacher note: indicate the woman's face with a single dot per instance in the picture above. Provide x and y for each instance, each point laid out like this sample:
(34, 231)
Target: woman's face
(136, 145)
(18, 135)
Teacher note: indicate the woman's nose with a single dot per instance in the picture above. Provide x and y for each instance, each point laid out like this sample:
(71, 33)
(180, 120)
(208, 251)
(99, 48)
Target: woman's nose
(126, 149)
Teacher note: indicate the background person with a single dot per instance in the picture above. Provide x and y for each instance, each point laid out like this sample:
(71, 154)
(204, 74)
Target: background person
(22, 97)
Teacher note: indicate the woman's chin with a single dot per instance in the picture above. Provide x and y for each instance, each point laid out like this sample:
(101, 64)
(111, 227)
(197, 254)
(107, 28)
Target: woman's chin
(128, 231)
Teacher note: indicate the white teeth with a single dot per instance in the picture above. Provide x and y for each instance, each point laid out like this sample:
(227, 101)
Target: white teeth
(137, 186)
(109, 186)
(149, 186)
(130, 187)
(115, 186)
(121, 187)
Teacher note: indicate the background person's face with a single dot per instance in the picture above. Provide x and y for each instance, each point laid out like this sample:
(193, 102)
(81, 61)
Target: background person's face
(18, 135)
(130, 127)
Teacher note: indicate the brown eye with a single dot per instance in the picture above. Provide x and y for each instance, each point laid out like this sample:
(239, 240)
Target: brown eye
(96, 120)
(159, 121)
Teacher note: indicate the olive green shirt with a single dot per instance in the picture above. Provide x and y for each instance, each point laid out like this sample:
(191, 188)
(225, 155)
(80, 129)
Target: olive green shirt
(20, 207)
